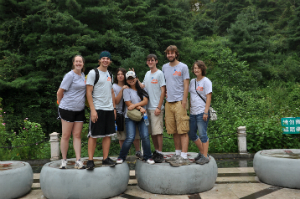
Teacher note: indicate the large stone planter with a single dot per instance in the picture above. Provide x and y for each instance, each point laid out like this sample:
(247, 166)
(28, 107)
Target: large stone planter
(279, 167)
(162, 178)
(16, 179)
(102, 182)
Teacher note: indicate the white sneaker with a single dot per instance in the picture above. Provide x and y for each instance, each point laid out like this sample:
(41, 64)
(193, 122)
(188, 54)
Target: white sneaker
(79, 165)
(150, 161)
(119, 161)
(63, 164)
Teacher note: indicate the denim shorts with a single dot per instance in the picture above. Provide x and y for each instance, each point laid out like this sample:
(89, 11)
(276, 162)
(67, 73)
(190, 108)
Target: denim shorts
(197, 123)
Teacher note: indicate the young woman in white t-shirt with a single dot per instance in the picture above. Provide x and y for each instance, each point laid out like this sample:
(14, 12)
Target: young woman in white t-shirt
(71, 100)
(119, 86)
(199, 114)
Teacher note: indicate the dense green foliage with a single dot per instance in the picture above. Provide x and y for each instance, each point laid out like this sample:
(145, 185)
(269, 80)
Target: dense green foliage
(251, 48)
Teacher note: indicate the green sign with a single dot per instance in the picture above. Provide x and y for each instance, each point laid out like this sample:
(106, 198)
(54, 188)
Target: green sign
(291, 125)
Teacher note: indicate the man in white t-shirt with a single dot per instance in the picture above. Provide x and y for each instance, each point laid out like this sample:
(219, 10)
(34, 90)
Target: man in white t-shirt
(176, 120)
(101, 99)
(155, 84)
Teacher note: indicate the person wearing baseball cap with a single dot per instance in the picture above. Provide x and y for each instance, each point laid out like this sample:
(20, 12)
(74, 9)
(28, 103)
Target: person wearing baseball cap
(135, 98)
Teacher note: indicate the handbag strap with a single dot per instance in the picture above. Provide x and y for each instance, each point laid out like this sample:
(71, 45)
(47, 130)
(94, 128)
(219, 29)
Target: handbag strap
(199, 94)
(123, 106)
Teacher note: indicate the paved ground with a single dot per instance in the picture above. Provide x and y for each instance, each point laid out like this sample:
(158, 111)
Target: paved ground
(232, 183)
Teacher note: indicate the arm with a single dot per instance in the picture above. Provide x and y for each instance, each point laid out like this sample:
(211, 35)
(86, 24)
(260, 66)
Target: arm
(162, 96)
(60, 94)
(207, 105)
(138, 106)
(119, 97)
(185, 92)
(114, 102)
(89, 90)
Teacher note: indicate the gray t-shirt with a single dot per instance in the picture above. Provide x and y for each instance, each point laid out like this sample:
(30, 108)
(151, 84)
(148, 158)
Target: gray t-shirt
(153, 82)
(204, 87)
(102, 97)
(74, 92)
(175, 77)
(131, 95)
(117, 90)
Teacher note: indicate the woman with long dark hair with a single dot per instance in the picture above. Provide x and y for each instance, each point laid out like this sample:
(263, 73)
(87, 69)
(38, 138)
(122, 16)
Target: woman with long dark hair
(135, 98)
(119, 86)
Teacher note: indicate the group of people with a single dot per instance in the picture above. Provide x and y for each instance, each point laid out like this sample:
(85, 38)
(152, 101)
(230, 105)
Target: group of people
(110, 99)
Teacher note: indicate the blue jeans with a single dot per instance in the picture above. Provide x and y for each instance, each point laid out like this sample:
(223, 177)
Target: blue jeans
(130, 135)
(197, 122)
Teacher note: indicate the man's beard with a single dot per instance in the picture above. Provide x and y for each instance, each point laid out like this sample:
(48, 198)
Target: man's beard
(172, 60)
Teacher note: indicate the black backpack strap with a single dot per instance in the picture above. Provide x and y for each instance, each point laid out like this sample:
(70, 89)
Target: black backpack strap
(97, 76)
(111, 77)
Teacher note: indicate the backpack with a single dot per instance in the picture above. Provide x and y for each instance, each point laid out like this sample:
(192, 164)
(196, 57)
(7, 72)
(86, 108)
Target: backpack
(96, 80)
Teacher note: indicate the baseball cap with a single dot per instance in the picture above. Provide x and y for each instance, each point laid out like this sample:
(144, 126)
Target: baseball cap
(130, 74)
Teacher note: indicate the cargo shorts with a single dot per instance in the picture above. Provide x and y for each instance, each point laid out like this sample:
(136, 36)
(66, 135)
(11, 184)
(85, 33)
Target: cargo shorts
(176, 118)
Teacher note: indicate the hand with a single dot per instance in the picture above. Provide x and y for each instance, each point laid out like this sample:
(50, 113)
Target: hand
(115, 112)
(157, 112)
(183, 104)
(94, 116)
(205, 117)
(131, 69)
(143, 110)
(131, 107)
(124, 87)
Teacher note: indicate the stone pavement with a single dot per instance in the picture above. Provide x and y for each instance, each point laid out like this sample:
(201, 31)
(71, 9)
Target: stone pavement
(232, 183)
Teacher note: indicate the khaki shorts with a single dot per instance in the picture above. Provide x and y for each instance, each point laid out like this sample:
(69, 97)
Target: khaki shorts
(176, 118)
(156, 126)
(121, 135)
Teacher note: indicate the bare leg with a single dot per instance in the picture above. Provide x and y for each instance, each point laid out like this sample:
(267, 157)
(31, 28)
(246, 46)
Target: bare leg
(199, 144)
(177, 141)
(121, 143)
(77, 128)
(184, 142)
(159, 139)
(66, 134)
(105, 146)
(136, 144)
(92, 143)
(205, 148)
(154, 140)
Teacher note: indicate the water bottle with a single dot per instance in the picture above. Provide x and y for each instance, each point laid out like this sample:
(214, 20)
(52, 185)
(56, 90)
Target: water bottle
(116, 127)
(146, 119)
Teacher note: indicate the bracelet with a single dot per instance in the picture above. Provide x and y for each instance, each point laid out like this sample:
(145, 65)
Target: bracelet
(205, 113)
(115, 108)
(158, 108)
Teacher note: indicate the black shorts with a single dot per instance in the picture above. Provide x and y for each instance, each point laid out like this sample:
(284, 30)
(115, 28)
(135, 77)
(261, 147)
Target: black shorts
(104, 126)
(71, 116)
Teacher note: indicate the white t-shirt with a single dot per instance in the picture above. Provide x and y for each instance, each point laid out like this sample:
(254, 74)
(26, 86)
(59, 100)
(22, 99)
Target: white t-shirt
(175, 76)
(131, 95)
(153, 82)
(204, 87)
(102, 97)
(117, 90)
(74, 92)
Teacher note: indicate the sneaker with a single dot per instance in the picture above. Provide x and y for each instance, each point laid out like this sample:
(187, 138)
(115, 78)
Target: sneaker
(139, 155)
(198, 156)
(180, 162)
(90, 165)
(150, 161)
(108, 162)
(119, 161)
(173, 158)
(79, 165)
(158, 158)
(63, 164)
(203, 160)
